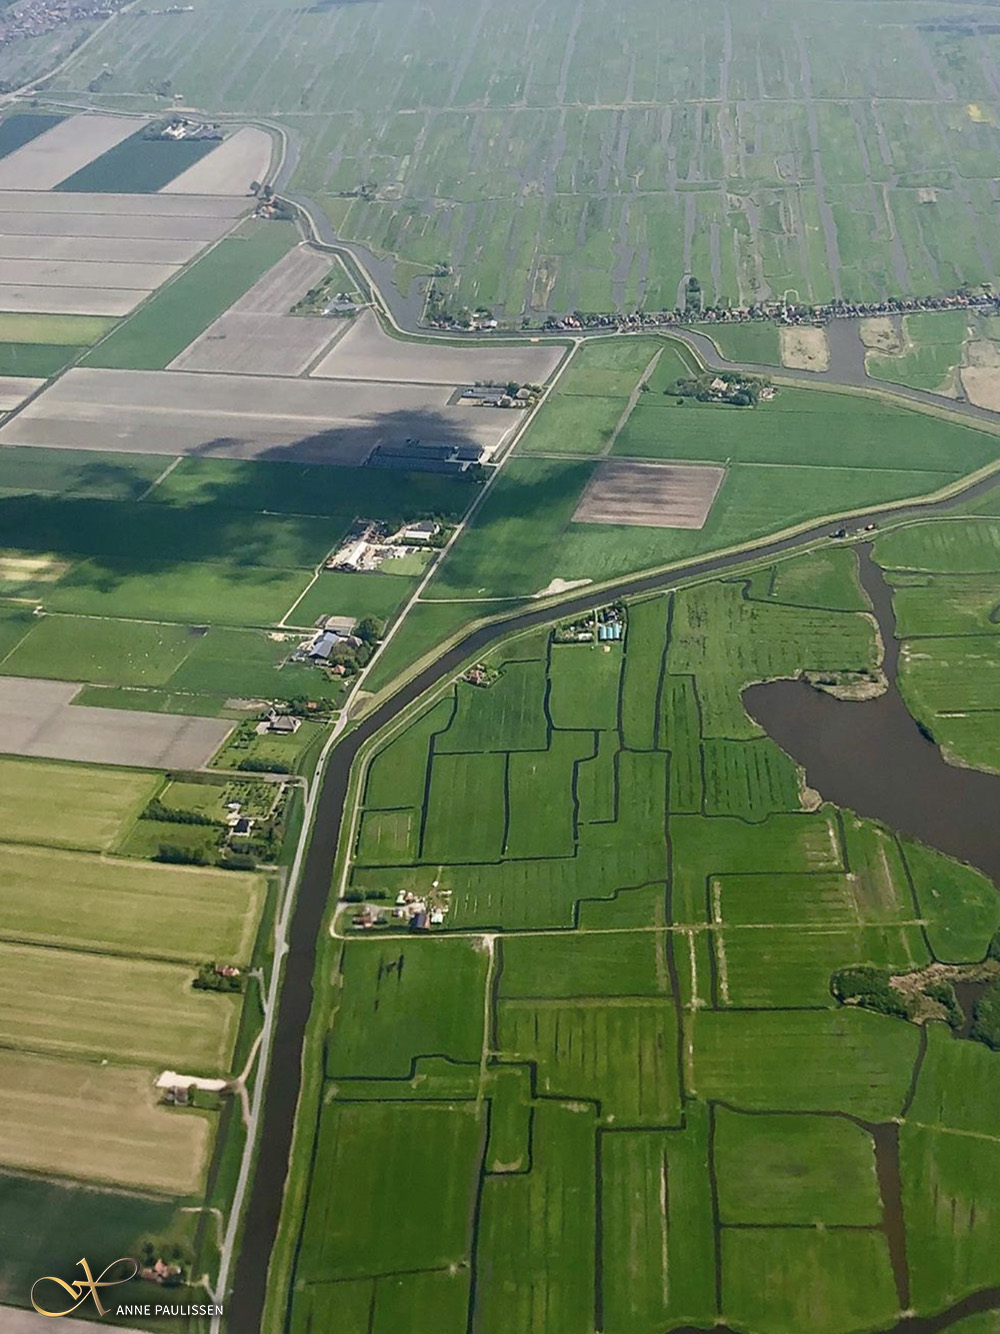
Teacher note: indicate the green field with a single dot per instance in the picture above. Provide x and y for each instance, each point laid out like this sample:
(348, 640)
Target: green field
(751, 344)
(138, 165)
(17, 130)
(616, 152)
(53, 330)
(943, 575)
(674, 1094)
(184, 308)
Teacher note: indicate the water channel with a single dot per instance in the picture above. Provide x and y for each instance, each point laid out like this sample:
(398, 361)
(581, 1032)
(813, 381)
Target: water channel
(801, 721)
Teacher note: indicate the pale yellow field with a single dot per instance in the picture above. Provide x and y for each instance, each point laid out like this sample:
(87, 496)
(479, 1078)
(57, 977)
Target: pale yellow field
(60, 1002)
(70, 805)
(99, 1123)
(804, 348)
(128, 907)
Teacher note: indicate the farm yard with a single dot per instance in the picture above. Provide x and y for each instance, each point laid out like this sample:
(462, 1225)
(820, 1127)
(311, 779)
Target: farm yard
(839, 150)
(624, 998)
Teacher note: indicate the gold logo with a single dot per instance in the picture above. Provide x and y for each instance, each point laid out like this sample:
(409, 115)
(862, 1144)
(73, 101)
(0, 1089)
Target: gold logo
(85, 1287)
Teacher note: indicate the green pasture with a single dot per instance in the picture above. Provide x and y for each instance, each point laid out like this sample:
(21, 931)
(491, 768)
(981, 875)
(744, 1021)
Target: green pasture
(754, 344)
(660, 1000)
(79, 648)
(56, 331)
(70, 805)
(431, 1146)
(184, 308)
(138, 165)
(523, 534)
(806, 1060)
(27, 470)
(181, 591)
(98, 903)
(795, 1170)
(826, 577)
(789, 1279)
(45, 1220)
(340, 494)
(930, 350)
(402, 999)
(249, 664)
(40, 987)
(19, 129)
(813, 427)
(368, 593)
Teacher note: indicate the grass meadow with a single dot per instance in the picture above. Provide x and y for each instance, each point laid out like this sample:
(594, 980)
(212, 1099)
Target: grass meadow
(597, 165)
(676, 1103)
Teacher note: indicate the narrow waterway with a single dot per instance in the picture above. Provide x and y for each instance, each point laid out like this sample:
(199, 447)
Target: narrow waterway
(873, 759)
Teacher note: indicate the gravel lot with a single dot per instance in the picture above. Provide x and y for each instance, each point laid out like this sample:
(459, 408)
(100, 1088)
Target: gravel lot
(172, 412)
(37, 718)
(257, 336)
(649, 495)
(69, 300)
(228, 170)
(366, 353)
(44, 162)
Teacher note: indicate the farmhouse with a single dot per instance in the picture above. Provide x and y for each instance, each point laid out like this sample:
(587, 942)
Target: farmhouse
(420, 532)
(284, 724)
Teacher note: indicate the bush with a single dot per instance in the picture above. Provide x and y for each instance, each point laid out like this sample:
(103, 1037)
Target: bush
(172, 852)
(157, 811)
(237, 861)
(986, 1018)
(253, 764)
(871, 989)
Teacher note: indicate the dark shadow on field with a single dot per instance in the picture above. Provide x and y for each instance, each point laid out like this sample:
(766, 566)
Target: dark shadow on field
(284, 509)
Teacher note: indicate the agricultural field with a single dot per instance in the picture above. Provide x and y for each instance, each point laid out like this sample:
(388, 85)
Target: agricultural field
(617, 149)
(944, 580)
(651, 909)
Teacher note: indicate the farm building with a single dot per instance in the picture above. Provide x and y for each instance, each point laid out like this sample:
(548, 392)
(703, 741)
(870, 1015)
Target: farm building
(420, 532)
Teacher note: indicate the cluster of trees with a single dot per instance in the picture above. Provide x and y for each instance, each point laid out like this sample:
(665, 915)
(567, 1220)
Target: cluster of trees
(210, 979)
(870, 988)
(986, 1018)
(741, 391)
(156, 810)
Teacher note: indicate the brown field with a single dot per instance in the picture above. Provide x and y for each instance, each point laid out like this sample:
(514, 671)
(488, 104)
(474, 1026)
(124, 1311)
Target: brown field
(651, 495)
(13, 391)
(158, 206)
(804, 348)
(233, 416)
(59, 152)
(69, 300)
(84, 273)
(98, 1123)
(366, 353)
(257, 336)
(38, 719)
(228, 170)
(99, 249)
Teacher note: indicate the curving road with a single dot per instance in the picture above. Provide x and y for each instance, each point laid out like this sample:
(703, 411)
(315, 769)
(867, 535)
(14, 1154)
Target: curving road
(294, 1000)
